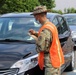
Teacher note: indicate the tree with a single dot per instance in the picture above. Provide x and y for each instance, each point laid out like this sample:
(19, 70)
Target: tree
(12, 6)
(7, 6)
(57, 11)
(70, 10)
(65, 10)
(30, 4)
(49, 3)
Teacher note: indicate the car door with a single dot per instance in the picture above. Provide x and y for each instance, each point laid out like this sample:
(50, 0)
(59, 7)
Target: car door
(64, 37)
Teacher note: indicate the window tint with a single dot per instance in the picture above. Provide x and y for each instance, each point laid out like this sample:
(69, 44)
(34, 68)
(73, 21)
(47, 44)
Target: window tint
(63, 25)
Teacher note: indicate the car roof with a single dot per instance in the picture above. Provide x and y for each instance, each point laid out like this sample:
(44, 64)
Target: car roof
(26, 14)
(70, 14)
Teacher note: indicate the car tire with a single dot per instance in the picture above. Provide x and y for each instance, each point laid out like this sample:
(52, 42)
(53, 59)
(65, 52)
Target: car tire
(72, 63)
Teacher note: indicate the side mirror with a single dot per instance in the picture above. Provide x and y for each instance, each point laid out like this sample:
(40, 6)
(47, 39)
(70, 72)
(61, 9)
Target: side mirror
(63, 38)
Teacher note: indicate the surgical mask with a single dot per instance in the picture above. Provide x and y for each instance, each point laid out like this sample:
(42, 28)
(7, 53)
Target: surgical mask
(37, 22)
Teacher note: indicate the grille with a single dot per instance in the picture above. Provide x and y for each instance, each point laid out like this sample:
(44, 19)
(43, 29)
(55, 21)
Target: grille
(9, 71)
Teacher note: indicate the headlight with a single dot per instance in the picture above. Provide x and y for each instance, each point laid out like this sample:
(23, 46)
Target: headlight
(26, 64)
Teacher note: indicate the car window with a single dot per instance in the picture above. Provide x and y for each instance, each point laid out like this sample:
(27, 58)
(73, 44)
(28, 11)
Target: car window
(63, 25)
(71, 20)
(55, 21)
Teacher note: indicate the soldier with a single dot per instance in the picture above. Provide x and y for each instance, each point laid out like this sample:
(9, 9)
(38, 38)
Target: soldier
(47, 43)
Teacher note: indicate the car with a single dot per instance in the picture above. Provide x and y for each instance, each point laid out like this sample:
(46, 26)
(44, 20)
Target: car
(18, 54)
(71, 21)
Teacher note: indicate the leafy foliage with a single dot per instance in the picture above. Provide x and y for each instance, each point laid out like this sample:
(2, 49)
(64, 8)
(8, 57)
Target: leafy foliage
(57, 11)
(49, 3)
(8, 6)
(70, 10)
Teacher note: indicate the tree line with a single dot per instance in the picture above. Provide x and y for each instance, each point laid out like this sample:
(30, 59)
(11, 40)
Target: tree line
(9, 6)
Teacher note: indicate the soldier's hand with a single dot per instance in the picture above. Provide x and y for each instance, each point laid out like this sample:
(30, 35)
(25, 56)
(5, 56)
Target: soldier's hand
(32, 32)
(33, 36)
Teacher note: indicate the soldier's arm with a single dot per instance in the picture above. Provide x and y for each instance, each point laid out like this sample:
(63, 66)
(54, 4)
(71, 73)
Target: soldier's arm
(44, 41)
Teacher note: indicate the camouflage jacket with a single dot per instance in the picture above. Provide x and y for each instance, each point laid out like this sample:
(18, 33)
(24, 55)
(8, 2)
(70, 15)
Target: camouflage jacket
(43, 44)
(44, 41)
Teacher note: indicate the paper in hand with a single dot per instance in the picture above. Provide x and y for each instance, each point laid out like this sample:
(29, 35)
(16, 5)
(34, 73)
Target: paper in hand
(32, 36)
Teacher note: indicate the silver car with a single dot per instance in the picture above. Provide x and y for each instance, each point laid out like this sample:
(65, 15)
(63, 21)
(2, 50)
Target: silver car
(71, 21)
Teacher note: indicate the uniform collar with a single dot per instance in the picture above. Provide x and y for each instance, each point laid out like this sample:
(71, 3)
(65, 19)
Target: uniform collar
(45, 22)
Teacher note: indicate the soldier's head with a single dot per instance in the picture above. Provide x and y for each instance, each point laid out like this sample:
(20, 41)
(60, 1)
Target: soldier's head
(40, 13)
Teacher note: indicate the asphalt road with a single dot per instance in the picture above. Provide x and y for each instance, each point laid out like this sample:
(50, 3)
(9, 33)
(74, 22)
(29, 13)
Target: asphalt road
(74, 71)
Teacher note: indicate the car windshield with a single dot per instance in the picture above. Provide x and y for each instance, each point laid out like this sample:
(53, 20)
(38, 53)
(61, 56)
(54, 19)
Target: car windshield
(71, 20)
(17, 28)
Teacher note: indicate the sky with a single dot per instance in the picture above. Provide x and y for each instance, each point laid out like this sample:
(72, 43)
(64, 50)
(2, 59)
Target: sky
(62, 4)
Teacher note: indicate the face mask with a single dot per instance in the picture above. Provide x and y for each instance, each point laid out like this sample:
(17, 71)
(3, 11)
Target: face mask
(37, 22)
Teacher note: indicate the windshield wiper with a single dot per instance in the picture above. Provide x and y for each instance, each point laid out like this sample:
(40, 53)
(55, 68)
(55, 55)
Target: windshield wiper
(15, 40)
(9, 40)
(27, 54)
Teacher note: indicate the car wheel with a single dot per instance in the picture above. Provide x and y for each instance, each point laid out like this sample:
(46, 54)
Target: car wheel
(71, 65)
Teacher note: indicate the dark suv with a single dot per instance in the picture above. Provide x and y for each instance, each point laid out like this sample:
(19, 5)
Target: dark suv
(17, 49)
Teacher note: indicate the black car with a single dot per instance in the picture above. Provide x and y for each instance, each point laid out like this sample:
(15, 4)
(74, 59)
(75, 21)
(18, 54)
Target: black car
(71, 21)
(18, 55)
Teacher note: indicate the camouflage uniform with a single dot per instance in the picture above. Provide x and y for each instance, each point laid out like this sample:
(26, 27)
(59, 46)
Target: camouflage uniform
(43, 44)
